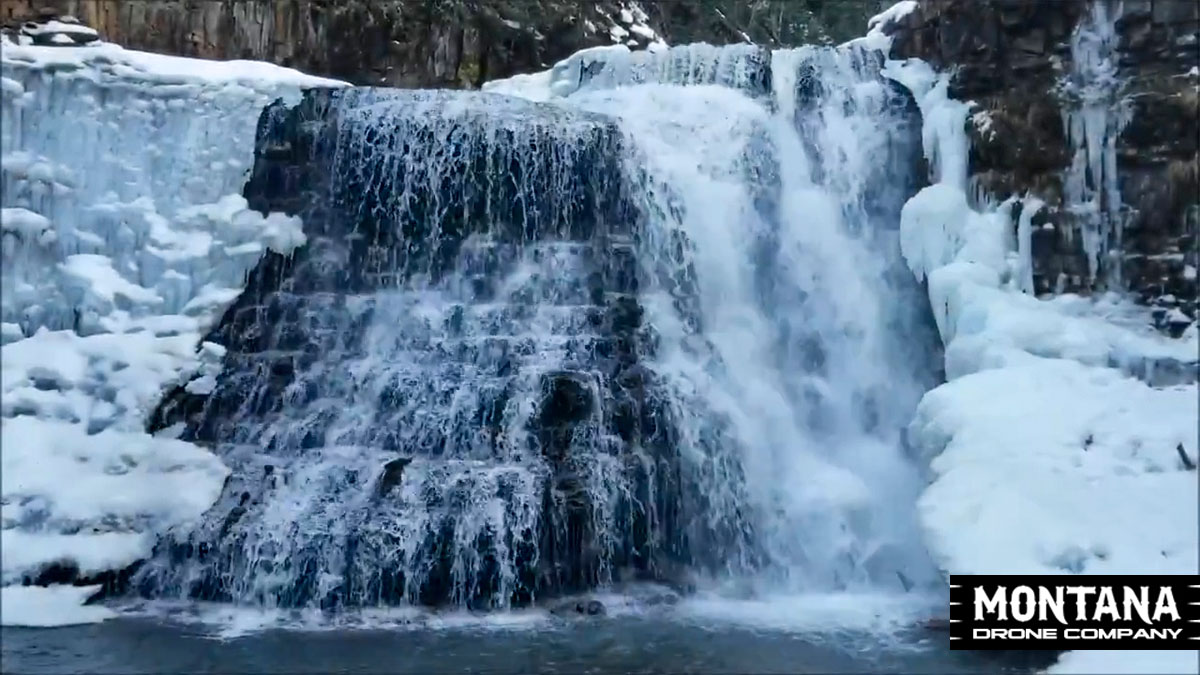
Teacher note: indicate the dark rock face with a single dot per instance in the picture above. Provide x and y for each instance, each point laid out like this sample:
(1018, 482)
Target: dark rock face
(405, 43)
(1011, 57)
(443, 384)
(437, 43)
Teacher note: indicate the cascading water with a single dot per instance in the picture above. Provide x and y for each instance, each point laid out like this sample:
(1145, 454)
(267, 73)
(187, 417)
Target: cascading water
(656, 331)
(792, 365)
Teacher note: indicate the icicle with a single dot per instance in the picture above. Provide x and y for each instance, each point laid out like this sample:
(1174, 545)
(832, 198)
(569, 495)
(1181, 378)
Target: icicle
(1094, 114)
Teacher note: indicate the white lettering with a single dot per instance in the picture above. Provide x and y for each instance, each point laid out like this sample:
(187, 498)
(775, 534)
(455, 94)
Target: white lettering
(1139, 601)
(1052, 602)
(1121, 633)
(1014, 633)
(994, 605)
(1107, 604)
(1165, 604)
(1022, 603)
(1081, 593)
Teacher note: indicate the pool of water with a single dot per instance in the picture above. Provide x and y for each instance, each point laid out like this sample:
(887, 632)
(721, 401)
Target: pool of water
(696, 638)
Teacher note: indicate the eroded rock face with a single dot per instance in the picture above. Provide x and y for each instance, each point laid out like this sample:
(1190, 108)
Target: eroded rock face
(451, 366)
(440, 43)
(404, 43)
(1015, 60)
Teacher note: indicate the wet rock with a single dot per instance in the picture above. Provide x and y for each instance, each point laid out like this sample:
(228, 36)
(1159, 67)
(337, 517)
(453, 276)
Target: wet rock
(112, 582)
(393, 471)
(578, 607)
(566, 398)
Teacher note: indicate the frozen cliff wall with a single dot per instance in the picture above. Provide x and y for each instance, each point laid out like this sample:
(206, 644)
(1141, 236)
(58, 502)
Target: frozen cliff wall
(442, 43)
(1065, 439)
(1092, 107)
(124, 235)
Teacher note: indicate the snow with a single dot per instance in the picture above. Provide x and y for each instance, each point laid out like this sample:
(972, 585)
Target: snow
(1055, 445)
(876, 38)
(56, 26)
(102, 60)
(51, 606)
(1133, 662)
(91, 553)
(27, 225)
(1087, 454)
(124, 239)
(95, 275)
(532, 86)
(892, 14)
(559, 81)
(614, 66)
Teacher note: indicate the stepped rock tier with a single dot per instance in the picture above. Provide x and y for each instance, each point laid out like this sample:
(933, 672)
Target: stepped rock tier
(438, 399)
(498, 369)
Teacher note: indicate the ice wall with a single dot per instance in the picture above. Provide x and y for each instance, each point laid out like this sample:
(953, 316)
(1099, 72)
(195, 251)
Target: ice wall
(1062, 442)
(124, 236)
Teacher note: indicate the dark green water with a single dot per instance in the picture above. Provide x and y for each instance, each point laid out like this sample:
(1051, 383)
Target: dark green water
(666, 641)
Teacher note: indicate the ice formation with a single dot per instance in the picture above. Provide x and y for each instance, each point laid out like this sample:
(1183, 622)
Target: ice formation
(1065, 439)
(124, 237)
(50, 606)
(1095, 111)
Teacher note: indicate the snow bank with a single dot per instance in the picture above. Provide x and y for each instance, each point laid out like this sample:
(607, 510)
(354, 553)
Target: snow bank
(51, 606)
(607, 67)
(1045, 452)
(91, 499)
(627, 29)
(1103, 662)
(107, 61)
(1052, 467)
(124, 237)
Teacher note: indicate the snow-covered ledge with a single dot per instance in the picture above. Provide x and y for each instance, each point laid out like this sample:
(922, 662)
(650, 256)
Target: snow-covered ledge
(124, 237)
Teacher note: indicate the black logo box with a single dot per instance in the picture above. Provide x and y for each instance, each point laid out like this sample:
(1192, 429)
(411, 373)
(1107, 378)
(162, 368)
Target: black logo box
(976, 622)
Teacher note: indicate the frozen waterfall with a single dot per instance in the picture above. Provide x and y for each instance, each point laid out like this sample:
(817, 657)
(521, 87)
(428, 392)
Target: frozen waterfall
(124, 237)
(656, 330)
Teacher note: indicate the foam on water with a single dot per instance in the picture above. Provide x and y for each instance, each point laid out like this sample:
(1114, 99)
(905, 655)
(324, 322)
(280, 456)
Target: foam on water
(222, 621)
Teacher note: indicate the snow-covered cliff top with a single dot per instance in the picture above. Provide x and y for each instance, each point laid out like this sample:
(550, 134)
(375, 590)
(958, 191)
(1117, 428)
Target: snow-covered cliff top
(101, 59)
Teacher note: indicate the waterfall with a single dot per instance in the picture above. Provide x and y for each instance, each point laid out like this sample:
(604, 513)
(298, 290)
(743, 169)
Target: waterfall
(659, 330)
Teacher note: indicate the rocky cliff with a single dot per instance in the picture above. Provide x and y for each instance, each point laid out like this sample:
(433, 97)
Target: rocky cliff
(1091, 107)
(439, 43)
(1063, 91)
